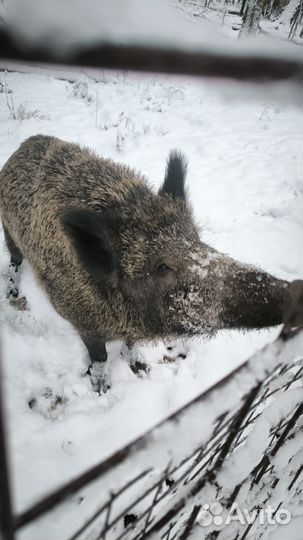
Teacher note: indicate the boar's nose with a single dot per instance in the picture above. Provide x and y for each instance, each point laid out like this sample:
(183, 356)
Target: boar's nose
(293, 306)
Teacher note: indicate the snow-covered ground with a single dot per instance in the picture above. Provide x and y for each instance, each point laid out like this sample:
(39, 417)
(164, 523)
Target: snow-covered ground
(245, 165)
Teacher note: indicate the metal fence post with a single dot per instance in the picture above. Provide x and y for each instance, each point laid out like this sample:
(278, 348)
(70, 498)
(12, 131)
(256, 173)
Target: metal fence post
(6, 516)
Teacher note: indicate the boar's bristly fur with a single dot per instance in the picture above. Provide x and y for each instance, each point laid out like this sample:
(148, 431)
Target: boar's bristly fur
(116, 259)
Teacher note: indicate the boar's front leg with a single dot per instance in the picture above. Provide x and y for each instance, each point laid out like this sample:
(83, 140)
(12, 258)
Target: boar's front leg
(132, 355)
(14, 251)
(14, 266)
(13, 275)
(98, 356)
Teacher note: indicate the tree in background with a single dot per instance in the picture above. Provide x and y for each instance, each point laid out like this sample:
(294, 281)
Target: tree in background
(295, 20)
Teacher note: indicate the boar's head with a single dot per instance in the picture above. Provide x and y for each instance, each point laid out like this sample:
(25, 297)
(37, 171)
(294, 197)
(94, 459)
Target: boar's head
(145, 251)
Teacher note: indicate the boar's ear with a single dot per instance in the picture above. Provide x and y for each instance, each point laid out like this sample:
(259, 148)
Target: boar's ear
(91, 234)
(175, 174)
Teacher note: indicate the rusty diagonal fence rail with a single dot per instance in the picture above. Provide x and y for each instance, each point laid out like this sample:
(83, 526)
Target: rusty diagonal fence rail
(152, 488)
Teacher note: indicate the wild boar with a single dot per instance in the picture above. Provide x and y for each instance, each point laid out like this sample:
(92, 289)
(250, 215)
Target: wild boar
(119, 261)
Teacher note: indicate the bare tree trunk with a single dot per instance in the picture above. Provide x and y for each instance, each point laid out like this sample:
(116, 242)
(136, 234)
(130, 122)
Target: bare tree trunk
(243, 7)
(296, 19)
(251, 18)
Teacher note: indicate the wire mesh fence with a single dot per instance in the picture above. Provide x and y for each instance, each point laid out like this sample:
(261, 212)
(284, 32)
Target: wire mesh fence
(239, 443)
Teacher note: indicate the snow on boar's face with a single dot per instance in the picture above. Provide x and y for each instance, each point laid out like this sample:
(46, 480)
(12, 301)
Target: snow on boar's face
(168, 282)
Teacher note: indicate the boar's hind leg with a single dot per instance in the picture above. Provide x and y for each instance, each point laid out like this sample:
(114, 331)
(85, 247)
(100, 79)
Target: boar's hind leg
(134, 358)
(15, 263)
(98, 356)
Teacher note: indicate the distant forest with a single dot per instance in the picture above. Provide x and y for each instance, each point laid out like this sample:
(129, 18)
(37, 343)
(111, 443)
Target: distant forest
(249, 14)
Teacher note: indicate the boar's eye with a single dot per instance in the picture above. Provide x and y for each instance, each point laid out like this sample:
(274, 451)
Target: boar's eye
(162, 269)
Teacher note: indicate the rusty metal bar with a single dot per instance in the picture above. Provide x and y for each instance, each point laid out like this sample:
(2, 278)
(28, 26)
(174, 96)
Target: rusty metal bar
(258, 68)
(295, 478)
(190, 522)
(6, 515)
(288, 428)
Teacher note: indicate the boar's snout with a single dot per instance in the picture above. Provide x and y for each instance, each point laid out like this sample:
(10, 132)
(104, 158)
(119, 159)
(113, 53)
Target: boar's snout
(293, 304)
(216, 292)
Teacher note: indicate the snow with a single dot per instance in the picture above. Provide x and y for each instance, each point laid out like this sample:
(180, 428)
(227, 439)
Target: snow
(292, 531)
(244, 181)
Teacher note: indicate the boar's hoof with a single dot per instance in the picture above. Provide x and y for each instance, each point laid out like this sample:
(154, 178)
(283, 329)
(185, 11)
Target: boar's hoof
(138, 367)
(13, 280)
(293, 306)
(97, 377)
(134, 358)
(174, 352)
